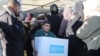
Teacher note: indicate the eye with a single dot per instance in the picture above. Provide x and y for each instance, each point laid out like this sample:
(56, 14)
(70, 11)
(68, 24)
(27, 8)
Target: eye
(46, 25)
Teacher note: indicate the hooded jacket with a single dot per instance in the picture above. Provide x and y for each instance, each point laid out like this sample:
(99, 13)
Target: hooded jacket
(13, 33)
(77, 20)
(54, 19)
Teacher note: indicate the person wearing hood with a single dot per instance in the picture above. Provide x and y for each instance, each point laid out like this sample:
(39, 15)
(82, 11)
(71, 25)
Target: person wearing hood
(54, 19)
(78, 19)
(67, 14)
(12, 30)
(75, 44)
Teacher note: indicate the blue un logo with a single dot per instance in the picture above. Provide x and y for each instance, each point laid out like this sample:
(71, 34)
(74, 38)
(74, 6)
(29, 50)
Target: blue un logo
(56, 49)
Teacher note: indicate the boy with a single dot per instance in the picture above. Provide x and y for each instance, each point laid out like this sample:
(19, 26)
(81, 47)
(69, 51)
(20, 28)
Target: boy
(45, 31)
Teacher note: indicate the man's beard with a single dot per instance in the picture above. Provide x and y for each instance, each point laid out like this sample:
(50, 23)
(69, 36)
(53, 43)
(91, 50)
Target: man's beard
(17, 14)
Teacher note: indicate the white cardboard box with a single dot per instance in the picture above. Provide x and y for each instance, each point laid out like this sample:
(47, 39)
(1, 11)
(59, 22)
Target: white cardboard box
(47, 46)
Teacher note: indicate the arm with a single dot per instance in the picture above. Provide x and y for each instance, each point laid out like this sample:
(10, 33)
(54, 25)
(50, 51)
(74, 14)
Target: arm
(81, 32)
(62, 27)
(34, 49)
(88, 27)
(69, 30)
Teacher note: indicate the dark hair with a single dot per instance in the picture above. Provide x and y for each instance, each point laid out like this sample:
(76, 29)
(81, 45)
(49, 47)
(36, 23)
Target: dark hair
(32, 15)
(46, 22)
(15, 2)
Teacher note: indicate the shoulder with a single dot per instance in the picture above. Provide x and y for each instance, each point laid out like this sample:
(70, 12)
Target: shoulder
(3, 15)
(93, 20)
(52, 34)
(40, 30)
(39, 33)
(3, 12)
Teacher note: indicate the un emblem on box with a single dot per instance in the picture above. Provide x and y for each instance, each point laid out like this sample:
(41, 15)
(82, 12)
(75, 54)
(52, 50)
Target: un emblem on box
(56, 49)
(47, 46)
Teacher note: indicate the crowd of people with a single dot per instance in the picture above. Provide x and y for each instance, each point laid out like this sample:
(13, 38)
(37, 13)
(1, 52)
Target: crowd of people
(18, 34)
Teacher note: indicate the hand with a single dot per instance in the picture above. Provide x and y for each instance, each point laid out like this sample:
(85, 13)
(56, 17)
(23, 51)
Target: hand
(25, 25)
(35, 53)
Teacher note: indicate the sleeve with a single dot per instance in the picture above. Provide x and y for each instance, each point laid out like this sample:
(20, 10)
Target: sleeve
(81, 32)
(62, 27)
(69, 30)
(88, 28)
(75, 19)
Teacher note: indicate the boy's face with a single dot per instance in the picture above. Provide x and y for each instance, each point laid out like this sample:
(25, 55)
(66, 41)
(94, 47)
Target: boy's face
(46, 27)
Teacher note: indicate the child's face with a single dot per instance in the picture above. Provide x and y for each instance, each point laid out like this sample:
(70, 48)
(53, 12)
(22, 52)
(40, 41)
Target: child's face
(46, 27)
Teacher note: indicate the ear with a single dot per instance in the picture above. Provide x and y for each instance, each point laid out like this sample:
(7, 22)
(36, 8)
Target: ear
(13, 7)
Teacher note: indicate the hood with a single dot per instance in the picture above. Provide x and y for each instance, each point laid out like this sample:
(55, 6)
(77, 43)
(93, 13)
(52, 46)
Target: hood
(54, 9)
(67, 13)
(78, 10)
(9, 10)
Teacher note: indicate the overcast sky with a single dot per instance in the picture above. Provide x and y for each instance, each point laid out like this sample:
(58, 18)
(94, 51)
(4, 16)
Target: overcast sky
(2, 2)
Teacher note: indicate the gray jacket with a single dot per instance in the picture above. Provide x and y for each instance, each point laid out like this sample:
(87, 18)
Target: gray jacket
(89, 32)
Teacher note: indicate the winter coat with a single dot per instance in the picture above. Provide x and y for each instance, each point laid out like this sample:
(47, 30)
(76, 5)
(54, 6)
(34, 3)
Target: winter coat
(13, 33)
(89, 32)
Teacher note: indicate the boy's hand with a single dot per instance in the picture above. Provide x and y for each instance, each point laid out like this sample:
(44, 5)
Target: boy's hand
(35, 53)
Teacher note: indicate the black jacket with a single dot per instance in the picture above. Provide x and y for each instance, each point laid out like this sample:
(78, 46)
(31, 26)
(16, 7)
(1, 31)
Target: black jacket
(55, 21)
(13, 34)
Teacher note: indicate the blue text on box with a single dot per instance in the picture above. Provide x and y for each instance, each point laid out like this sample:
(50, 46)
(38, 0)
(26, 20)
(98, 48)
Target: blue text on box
(56, 49)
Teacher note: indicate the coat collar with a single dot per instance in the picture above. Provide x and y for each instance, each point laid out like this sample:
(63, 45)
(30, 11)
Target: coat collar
(9, 10)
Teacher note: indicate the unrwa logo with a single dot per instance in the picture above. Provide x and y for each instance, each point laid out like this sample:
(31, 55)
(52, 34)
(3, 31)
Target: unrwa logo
(56, 49)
